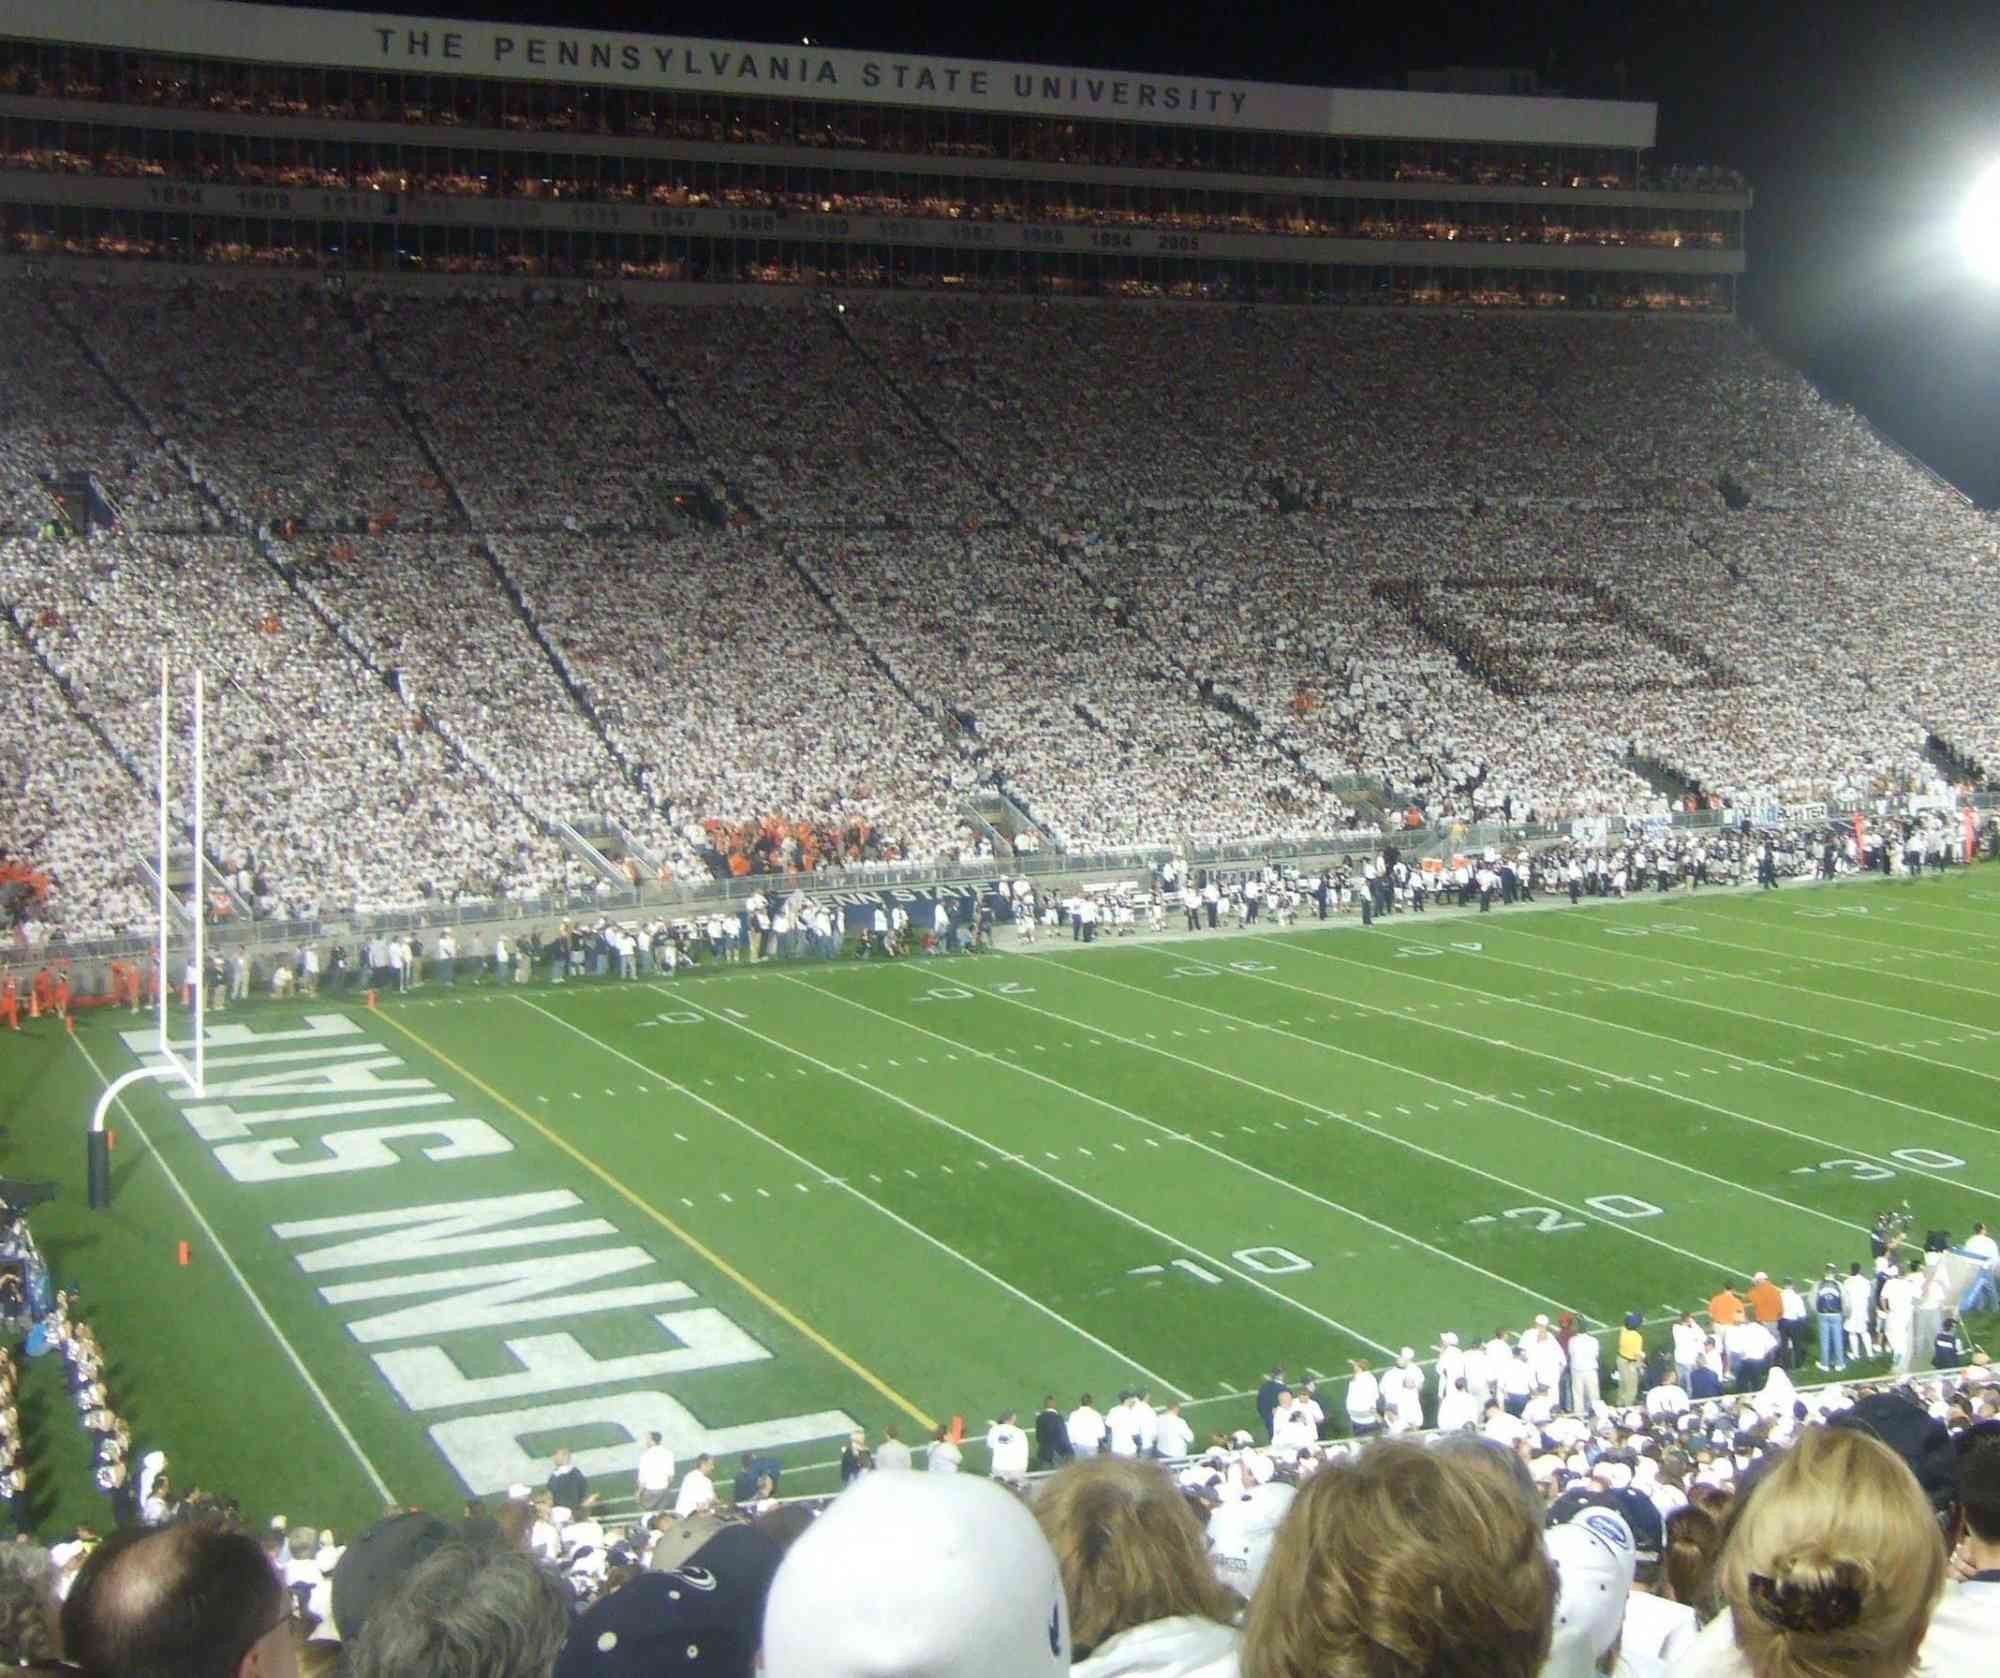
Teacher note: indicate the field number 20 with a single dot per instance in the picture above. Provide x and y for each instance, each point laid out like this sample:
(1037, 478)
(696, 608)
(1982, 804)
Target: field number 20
(1548, 1219)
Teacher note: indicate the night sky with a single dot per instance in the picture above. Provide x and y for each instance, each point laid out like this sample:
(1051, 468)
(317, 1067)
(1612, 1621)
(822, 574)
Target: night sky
(1860, 126)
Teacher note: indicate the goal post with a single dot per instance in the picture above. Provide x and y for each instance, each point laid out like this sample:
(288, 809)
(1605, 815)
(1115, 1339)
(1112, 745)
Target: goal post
(167, 1062)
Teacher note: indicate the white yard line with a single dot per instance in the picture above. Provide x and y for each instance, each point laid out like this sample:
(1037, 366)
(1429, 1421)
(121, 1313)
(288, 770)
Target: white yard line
(1217, 1153)
(1560, 1060)
(1600, 983)
(831, 1180)
(340, 1427)
(1889, 923)
(1028, 1165)
(1848, 966)
(1720, 975)
(1420, 972)
(1725, 1267)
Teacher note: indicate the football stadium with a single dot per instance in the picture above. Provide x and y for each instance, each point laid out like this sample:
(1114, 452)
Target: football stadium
(736, 767)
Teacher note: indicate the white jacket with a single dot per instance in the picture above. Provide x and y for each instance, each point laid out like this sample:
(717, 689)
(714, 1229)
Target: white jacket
(1182, 1647)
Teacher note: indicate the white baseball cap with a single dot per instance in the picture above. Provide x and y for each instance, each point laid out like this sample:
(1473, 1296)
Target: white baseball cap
(1240, 1532)
(1447, 1339)
(918, 1574)
(1595, 1560)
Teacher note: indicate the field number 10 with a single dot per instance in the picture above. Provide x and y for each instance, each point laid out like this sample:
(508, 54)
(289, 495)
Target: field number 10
(1266, 1261)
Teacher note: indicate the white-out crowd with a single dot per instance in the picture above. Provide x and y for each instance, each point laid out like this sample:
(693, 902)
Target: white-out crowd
(1161, 575)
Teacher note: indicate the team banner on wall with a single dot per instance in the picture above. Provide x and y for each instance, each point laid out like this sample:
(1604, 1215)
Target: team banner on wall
(450, 46)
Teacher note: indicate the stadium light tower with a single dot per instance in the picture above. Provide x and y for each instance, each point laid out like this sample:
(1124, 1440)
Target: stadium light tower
(1979, 225)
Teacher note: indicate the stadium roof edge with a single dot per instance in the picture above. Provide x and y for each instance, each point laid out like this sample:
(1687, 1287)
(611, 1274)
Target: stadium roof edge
(406, 43)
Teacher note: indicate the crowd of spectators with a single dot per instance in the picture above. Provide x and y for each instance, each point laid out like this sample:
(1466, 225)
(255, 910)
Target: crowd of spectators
(1158, 575)
(1843, 1531)
(967, 200)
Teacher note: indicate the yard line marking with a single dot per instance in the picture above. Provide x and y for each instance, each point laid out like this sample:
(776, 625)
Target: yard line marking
(1859, 1045)
(1072, 1188)
(1737, 1064)
(229, 1263)
(1853, 966)
(1772, 982)
(763, 1297)
(1391, 1136)
(971, 1264)
(1232, 1159)
(1900, 952)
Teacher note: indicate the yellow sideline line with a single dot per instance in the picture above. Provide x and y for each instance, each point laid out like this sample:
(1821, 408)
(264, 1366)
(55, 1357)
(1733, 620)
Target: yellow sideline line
(783, 1312)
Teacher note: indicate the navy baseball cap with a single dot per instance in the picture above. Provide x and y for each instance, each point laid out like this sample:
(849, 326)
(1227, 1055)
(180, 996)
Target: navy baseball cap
(704, 1616)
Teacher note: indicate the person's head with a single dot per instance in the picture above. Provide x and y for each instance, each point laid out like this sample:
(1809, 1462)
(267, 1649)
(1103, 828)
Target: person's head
(918, 1573)
(28, 1630)
(194, 1600)
(1409, 1561)
(1979, 1500)
(1687, 1562)
(1832, 1562)
(561, 1458)
(467, 1613)
(303, 1543)
(515, 1521)
(1129, 1547)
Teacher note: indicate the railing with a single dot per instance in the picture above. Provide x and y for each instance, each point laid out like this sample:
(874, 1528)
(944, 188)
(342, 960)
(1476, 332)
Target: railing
(727, 896)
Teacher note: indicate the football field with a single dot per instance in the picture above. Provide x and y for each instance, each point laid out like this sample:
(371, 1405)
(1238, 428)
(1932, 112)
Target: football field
(756, 1205)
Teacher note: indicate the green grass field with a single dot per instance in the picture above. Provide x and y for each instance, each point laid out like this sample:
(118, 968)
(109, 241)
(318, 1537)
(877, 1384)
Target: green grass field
(764, 1200)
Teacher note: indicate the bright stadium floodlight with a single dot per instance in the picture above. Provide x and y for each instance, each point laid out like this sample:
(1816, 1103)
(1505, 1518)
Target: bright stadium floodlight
(1979, 225)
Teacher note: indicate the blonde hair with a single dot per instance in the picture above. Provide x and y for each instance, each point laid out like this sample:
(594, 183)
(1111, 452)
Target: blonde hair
(1405, 1562)
(1833, 1563)
(1130, 1550)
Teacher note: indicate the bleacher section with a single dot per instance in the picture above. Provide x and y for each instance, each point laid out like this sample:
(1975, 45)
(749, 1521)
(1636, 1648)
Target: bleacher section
(1156, 574)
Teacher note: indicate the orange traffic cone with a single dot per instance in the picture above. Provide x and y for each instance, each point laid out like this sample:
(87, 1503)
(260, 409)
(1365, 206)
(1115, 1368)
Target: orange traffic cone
(371, 999)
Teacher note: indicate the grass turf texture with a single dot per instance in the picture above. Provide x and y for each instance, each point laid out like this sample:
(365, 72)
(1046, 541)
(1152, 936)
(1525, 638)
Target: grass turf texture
(947, 1186)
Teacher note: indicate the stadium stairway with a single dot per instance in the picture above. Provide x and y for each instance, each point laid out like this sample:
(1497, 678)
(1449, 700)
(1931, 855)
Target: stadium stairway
(1954, 765)
(560, 665)
(393, 391)
(119, 389)
(1241, 714)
